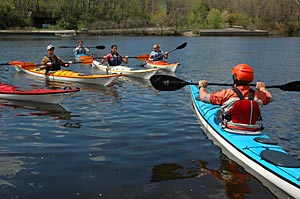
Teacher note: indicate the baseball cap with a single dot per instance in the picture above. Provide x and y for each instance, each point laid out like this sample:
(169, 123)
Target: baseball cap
(50, 47)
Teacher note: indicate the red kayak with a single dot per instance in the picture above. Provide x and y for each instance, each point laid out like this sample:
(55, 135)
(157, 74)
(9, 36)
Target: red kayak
(53, 96)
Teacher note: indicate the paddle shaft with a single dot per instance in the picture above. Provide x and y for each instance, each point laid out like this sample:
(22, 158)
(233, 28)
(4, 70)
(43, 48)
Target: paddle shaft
(90, 58)
(171, 83)
(227, 84)
(98, 47)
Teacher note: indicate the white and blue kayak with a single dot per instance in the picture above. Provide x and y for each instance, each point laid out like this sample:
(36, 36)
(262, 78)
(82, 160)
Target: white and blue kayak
(255, 151)
(77, 56)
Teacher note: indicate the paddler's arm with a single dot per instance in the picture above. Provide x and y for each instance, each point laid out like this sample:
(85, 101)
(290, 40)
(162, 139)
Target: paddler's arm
(45, 62)
(261, 86)
(104, 59)
(125, 59)
(203, 95)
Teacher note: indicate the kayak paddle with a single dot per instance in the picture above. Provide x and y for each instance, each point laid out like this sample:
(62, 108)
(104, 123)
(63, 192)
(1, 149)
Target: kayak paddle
(181, 46)
(13, 63)
(171, 83)
(98, 47)
(139, 57)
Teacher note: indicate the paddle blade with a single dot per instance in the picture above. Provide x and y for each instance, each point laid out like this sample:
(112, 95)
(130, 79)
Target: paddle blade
(182, 46)
(143, 57)
(167, 83)
(86, 62)
(85, 57)
(100, 47)
(12, 63)
(29, 64)
(89, 58)
(291, 86)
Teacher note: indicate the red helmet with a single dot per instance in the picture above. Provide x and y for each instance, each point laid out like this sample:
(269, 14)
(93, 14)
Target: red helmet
(243, 73)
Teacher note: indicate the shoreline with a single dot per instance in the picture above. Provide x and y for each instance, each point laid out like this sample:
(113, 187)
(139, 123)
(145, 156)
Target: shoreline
(141, 32)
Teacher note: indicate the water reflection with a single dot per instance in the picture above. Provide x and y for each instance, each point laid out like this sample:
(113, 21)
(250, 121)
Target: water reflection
(235, 178)
(21, 108)
(232, 174)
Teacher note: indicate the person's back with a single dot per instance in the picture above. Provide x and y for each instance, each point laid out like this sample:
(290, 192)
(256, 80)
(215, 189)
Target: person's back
(240, 107)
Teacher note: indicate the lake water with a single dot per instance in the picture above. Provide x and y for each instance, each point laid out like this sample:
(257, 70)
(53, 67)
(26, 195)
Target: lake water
(128, 140)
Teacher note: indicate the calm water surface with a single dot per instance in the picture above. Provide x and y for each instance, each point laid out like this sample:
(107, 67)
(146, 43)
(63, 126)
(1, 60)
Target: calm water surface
(128, 140)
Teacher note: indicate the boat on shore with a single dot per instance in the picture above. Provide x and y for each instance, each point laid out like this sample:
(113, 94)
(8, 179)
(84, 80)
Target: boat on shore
(126, 71)
(163, 65)
(67, 75)
(255, 151)
(52, 96)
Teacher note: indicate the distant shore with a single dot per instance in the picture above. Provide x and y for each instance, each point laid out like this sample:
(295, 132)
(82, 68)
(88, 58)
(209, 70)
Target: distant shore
(141, 32)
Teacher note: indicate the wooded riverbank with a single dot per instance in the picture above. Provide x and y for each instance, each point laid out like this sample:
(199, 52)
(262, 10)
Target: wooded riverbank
(143, 32)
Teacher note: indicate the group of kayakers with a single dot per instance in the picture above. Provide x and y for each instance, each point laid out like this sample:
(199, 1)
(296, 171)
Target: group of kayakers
(114, 58)
(240, 105)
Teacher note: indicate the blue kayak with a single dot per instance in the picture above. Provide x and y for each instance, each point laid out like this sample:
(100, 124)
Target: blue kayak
(255, 151)
(77, 56)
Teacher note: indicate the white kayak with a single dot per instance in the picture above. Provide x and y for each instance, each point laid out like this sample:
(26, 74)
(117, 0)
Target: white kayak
(126, 71)
(67, 75)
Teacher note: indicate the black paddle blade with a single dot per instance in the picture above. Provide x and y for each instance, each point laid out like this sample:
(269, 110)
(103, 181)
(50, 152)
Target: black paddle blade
(182, 46)
(168, 83)
(66, 47)
(291, 86)
(100, 47)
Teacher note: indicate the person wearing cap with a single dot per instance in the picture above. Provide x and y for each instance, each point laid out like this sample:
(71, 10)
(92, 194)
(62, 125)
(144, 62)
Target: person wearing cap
(157, 54)
(80, 49)
(240, 105)
(114, 58)
(51, 62)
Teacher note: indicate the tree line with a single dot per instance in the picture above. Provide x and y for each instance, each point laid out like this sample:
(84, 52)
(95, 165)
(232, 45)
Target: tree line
(282, 16)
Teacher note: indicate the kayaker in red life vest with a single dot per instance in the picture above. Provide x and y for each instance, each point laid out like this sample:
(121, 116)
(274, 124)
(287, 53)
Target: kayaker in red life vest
(157, 54)
(240, 105)
(114, 58)
(51, 62)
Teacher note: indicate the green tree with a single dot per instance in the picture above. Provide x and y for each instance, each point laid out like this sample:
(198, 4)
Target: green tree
(214, 19)
(239, 19)
(8, 15)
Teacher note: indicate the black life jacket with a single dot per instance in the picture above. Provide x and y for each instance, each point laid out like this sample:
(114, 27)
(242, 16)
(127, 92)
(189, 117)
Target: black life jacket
(116, 60)
(55, 63)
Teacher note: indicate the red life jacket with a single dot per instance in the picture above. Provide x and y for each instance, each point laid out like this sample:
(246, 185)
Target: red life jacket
(244, 113)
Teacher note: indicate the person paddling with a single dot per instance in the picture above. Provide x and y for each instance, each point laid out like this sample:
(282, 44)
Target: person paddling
(114, 58)
(51, 62)
(240, 105)
(157, 54)
(80, 49)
